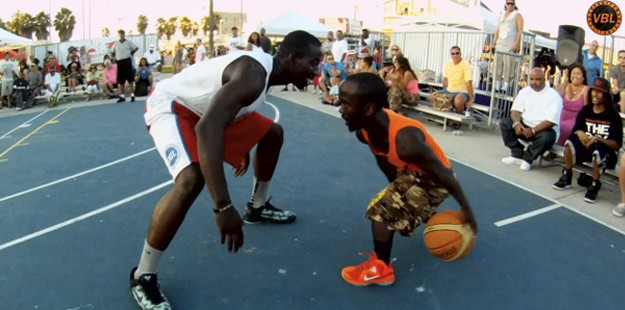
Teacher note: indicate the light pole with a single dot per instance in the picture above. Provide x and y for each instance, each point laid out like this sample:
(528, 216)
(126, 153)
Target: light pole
(211, 20)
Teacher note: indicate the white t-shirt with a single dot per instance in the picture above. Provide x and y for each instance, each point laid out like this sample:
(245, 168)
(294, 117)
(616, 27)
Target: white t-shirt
(6, 69)
(536, 107)
(152, 57)
(200, 54)
(53, 81)
(233, 42)
(195, 86)
(338, 49)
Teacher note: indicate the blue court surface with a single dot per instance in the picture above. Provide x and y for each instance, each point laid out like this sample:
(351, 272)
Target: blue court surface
(72, 244)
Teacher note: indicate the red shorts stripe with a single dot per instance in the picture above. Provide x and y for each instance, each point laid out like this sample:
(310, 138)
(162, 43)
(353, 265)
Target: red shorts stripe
(240, 137)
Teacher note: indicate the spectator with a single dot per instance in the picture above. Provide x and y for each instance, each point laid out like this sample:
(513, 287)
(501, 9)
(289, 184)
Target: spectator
(124, 50)
(405, 86)
(22, 96)
(200, 52)
(597, 137)
(35, 80)
(535, 117)
(458, 81)
(53, 86)
(332, 75)
(395, 50)
(109, 78)
(52, 62)
(265, 43)
(92, 81)
(377, 57)
(507, 39)
(366, 64)
(178, 58)
(152, 56)
(6, 69)
(592, 62)
(619, 210)
(328, 43)
(618, 81)
(253, 42)
(73, 76)
(84, 58)
(339, 47)
(235, 42)
(573, 91)
(143, 78)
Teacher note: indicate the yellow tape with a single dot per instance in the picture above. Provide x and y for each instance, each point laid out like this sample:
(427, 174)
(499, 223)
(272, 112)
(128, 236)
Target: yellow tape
(377, 198)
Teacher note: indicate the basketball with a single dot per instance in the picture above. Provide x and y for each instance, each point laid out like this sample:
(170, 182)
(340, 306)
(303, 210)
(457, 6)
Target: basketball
(447, 237)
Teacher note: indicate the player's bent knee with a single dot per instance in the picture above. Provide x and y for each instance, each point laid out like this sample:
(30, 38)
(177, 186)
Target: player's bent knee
(275, 133)
(189, 182)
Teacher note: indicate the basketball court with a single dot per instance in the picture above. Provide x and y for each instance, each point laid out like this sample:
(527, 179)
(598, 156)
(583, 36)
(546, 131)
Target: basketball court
(79, 186)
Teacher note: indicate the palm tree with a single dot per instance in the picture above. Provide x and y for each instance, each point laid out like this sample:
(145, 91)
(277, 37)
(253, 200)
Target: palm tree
(195, 29)
(161, 27)
(2, 24)
(142, 24)
(42, 21)
(106, 32)
(171, 27)
(64, 23)
(205, 21)
(185, 26)
(22, 24)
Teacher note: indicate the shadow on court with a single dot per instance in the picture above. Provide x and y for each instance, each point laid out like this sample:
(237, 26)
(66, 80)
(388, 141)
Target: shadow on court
(556, 260)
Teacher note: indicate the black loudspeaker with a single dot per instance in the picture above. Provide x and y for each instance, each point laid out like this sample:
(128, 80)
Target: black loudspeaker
(569, 48)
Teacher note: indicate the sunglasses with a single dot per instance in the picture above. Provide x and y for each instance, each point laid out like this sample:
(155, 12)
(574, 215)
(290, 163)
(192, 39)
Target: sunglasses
(509, 3)
(455, 53)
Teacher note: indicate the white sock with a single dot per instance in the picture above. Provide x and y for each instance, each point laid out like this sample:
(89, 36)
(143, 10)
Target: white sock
(260, 193)
(149, 260)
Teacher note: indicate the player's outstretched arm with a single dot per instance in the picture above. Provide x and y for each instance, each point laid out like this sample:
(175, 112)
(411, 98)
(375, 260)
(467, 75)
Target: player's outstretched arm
(412, 148)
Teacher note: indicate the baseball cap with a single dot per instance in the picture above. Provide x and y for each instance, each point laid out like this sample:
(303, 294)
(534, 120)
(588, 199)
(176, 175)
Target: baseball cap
(365, 50)
(601, 84)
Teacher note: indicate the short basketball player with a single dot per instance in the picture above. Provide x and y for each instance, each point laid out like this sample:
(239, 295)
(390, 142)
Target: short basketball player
(204, 116)
(420, 174)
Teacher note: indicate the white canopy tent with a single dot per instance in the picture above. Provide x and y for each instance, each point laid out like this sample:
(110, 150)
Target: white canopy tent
(9, 41)
(291, 21)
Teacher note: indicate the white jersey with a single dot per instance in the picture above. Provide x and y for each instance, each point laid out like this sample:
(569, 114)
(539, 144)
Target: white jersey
(196, 85)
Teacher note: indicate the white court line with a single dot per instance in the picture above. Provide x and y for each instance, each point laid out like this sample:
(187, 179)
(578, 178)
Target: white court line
(75, 175)
(618, 230)
(84, 216)
(527, 215)
(26, 122)
(277, 118)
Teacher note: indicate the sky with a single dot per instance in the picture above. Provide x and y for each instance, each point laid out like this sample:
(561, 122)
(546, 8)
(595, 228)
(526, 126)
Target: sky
(106, 13)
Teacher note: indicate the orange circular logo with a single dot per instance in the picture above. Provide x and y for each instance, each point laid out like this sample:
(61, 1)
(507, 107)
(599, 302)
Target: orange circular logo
(604, 17)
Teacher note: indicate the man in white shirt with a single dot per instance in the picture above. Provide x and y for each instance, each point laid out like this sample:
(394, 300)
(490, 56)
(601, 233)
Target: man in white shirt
(200, 52)
(535, 117)
(236, 42)
(6, 69)
(339, 47)
(53, 86)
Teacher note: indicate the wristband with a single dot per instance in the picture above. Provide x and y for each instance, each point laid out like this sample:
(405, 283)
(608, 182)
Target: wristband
(515, 123)
(219, 210)
(533, 131)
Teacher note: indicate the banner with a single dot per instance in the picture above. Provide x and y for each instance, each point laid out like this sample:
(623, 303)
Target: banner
(97, 48)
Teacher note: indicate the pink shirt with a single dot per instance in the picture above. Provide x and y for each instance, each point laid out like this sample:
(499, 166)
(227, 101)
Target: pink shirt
(110, 75)
(413, 87)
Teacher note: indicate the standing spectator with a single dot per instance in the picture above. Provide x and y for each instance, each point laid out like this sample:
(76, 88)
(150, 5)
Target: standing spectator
(592, 62)
(618, 81)
(178, 58)
(265, 43)
(6, 69)
(573, 91)
(328, 43)
(535, 117)
(340, 48)
(123, 50)
(507, 39)
(253, 42)
(235, 42)
(597, 137)
(200, 52)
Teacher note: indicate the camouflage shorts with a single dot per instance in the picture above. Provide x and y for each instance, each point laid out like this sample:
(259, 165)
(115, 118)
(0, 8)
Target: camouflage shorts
(407, 202)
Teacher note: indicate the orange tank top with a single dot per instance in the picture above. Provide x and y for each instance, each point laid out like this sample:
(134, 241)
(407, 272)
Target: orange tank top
(396, 123)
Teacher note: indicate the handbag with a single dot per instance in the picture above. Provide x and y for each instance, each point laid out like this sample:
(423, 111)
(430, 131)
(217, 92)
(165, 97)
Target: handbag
(442, 101)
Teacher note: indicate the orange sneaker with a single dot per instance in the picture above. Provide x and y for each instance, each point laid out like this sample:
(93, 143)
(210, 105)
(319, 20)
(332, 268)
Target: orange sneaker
(373, 271)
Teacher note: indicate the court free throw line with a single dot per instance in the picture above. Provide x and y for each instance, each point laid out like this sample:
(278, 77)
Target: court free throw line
(75, 175)
(527, 215)
(23, 124)
(84, 216)
(618, 230)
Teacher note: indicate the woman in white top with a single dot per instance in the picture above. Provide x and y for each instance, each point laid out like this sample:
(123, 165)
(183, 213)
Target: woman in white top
(253, 43)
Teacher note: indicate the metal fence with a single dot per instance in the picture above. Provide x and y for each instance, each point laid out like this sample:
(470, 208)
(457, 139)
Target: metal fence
(614, 44)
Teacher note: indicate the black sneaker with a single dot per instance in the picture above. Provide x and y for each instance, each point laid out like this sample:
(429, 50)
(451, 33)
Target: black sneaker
(121, 99)
(592, 192)
(267, 213)
(147, 293)
(564, 181)
(132, 98)
(584, 180)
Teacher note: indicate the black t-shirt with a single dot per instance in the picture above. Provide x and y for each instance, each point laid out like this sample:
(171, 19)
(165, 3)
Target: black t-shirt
(607, 124)
(265, 44)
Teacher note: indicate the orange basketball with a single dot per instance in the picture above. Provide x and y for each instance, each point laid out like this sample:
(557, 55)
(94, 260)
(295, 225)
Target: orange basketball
(447, 237)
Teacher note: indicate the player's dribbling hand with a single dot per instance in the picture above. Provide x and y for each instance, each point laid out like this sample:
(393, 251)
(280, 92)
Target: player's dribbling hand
(239, 172)
(231, 228)
(469, 219)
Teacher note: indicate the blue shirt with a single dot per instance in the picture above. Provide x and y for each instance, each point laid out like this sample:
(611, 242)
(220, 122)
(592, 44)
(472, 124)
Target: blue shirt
(338, 66)
(593, 67)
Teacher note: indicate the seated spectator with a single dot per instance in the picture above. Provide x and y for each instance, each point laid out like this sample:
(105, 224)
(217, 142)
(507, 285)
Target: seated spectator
(143, 78)
(597, 137)
(367, 65)
(92, 81)
(53, 86)
(365, 53)
(52, 62)
(35, 80)
(617, 76)
(109, 78)
(573, 91)
(22, 95)
(458, 81)
(535, 117)
(73, 75)
(619, 210)
(84, 58)
(404, 87)
(332, 75)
